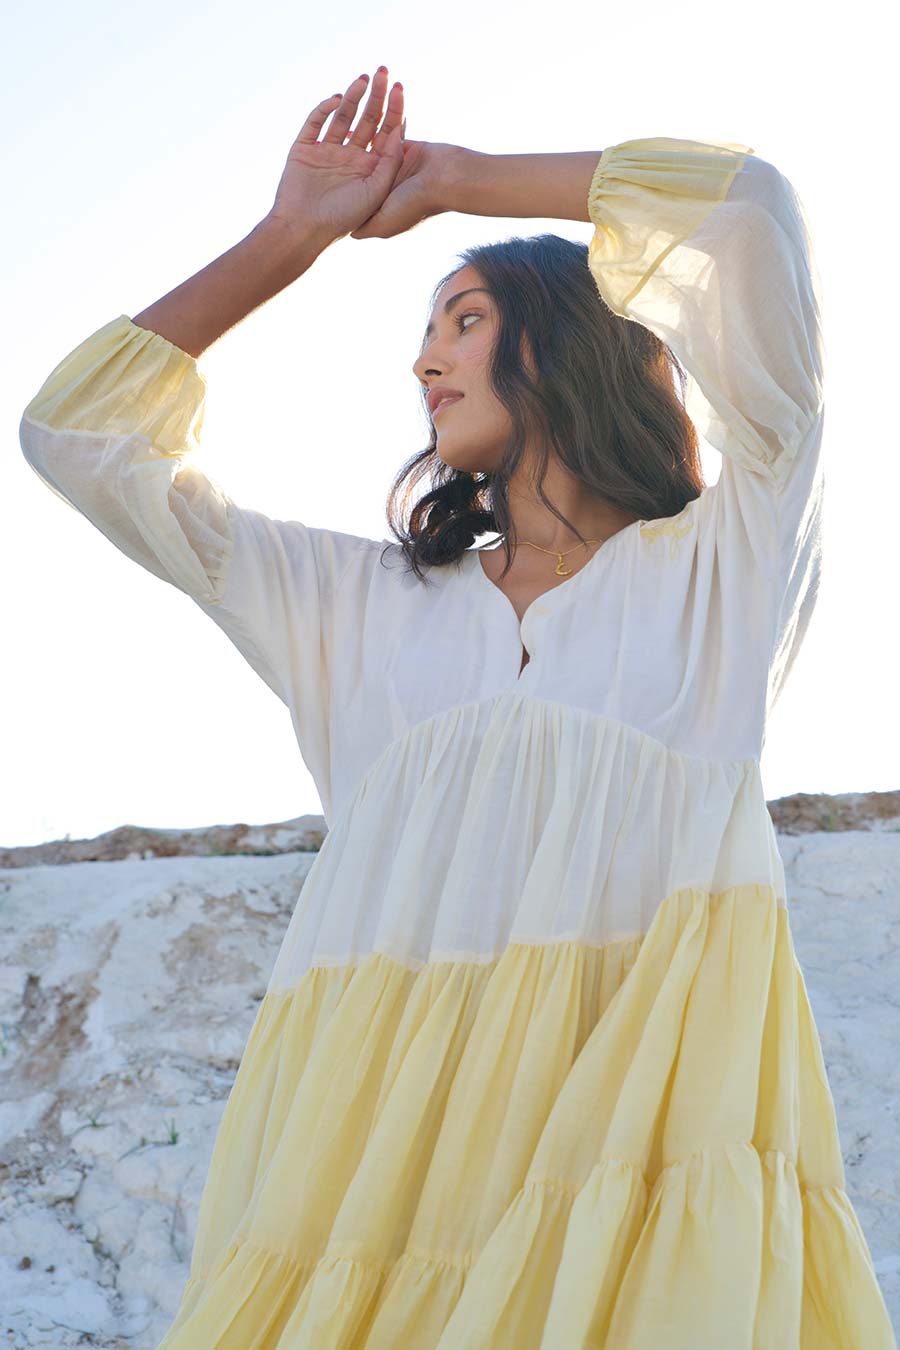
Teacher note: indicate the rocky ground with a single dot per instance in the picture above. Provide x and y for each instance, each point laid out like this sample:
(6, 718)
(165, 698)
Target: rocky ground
(132, 968)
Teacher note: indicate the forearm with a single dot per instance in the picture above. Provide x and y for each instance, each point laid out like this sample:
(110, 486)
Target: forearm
(201, 309)
(550, 185)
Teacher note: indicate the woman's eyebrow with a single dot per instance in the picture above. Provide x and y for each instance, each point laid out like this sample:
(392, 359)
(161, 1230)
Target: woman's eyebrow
(449, 305)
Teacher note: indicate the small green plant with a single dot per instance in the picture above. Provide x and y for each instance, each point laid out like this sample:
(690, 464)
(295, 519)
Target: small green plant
(92, 1123)
(154, 1143)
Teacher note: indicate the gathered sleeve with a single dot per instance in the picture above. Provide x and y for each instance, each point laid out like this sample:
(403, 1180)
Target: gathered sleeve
(111, 432)
(707, 245)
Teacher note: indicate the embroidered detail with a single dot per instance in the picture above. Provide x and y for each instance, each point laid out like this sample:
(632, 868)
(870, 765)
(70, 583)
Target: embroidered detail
(675, 529)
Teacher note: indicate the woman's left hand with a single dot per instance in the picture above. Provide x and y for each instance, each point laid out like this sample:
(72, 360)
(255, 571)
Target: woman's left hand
(419, 190)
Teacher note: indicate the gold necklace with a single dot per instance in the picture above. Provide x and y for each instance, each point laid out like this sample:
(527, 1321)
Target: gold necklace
(561, 570)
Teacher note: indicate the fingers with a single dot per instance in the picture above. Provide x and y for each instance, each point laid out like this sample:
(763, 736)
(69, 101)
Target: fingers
(364, 133)
(309, 132)
(342, 109)
(346, 111)
(393, 117)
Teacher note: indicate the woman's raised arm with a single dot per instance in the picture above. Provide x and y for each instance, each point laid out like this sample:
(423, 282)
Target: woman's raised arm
(113, 428)
(327, 189)
(195, 314)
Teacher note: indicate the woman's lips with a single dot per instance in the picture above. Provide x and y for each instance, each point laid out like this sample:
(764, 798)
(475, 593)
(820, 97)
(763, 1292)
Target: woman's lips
(445, 403)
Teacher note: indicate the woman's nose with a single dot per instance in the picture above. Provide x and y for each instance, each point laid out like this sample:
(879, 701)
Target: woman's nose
(421, 368)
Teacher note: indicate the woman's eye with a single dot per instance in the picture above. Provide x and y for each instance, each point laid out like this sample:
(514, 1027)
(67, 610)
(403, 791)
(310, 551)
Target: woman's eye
(460, 317)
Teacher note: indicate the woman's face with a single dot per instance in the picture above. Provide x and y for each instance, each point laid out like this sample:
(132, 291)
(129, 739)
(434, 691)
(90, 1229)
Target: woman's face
(472, 432)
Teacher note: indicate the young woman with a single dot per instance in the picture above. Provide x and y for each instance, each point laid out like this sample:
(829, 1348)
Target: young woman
(536, 1066)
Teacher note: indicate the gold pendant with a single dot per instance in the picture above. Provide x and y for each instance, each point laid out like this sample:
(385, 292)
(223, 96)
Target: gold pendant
(562, 570)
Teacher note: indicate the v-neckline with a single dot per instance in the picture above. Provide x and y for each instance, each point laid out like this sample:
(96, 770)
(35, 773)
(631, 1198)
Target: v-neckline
(486, 581)
(479, 566)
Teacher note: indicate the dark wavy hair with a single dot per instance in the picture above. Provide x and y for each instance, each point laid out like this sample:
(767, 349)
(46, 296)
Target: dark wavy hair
(602, 399)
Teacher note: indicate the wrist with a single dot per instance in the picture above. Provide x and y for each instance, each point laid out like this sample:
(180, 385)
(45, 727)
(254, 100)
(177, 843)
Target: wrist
(465, 181)
(291, 241)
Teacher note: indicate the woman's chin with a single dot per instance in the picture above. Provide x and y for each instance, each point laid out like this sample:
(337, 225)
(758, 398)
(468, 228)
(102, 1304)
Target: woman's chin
(462, 462)
(463, 468)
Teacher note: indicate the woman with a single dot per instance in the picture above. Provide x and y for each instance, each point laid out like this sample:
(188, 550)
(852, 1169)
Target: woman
(536, 1064)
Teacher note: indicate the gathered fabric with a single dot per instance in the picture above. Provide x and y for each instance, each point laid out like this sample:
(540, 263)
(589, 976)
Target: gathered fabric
(632, 1144)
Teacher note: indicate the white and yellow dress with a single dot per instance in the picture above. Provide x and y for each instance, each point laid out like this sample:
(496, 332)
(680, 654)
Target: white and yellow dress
(536, 1065)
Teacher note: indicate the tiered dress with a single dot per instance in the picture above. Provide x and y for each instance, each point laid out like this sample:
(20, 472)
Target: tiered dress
(536, 1065)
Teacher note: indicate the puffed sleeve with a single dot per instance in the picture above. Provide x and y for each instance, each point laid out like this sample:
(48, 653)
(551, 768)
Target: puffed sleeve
(111, 432)
(707, 245)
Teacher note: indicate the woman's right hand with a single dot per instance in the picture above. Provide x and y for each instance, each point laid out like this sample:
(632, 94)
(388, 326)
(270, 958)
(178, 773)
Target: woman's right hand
(330, 188)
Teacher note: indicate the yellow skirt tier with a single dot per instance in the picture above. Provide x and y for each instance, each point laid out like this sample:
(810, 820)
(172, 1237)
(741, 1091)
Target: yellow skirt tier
(631, 1146)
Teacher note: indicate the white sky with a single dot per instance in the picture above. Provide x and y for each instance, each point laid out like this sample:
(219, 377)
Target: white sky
(139, 144)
